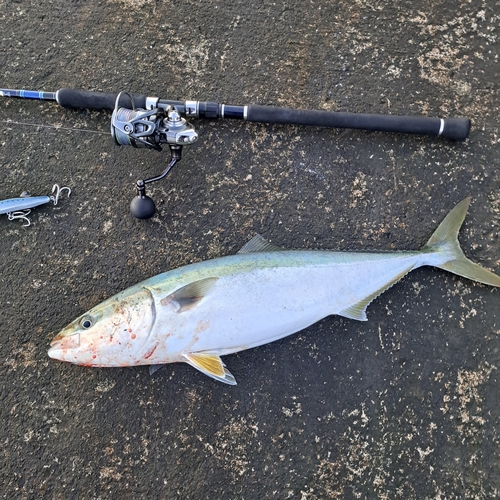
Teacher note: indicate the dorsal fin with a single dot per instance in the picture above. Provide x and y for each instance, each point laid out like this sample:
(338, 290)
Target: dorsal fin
(259, 244)
(189, 295)
(210, 364)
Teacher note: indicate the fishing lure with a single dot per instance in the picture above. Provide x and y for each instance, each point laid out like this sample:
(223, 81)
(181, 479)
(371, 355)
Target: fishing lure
(20, 208)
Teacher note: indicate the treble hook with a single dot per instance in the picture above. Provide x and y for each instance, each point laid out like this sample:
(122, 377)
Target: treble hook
(19, 208)
(58, 190)
(20, 214)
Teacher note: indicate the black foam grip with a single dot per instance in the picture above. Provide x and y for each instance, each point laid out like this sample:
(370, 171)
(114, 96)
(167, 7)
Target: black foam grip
(456, 128)
(452, 128)
(70, 98)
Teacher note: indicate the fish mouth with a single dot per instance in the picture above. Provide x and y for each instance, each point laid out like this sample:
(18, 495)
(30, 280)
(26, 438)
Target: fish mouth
(54, 351)
(65, 341)
(62, 345)
(61, 336)
(55, 341)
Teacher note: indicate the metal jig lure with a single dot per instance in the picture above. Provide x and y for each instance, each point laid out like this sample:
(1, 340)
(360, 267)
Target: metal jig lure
(19, 208)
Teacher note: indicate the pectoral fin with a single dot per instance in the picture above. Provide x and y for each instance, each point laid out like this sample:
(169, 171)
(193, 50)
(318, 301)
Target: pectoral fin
(189, 295)
(358, 311)
(210, 364)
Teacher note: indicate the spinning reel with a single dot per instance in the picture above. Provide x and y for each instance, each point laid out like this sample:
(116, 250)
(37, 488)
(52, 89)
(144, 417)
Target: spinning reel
(150, 128)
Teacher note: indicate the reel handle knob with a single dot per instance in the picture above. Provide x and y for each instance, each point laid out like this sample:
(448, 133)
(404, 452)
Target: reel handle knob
(142, 206)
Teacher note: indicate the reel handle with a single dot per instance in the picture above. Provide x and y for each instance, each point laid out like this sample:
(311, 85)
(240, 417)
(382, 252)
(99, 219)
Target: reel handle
(143, 206)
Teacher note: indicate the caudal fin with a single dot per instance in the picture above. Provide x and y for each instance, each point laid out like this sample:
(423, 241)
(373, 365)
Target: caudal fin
(445, 240)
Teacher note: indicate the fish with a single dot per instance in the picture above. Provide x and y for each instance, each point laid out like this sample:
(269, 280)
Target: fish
(202, 311)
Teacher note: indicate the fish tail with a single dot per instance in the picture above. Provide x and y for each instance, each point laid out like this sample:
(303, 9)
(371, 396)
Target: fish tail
(444, 242)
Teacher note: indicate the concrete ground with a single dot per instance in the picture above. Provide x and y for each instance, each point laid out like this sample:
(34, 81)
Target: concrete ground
(404, 406)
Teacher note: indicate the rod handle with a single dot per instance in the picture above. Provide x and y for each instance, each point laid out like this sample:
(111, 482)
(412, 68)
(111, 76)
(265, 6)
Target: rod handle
(71, 98)
(452, 128)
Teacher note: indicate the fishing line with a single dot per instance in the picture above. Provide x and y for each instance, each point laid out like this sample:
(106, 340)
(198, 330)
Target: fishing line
(11, 122)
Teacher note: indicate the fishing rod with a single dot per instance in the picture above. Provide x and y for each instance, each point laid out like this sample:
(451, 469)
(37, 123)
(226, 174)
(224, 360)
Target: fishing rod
(151, 122)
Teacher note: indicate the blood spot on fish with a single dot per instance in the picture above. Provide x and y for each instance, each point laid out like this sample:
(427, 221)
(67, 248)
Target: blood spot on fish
(133, 336)
(149, 354)
(202, 326)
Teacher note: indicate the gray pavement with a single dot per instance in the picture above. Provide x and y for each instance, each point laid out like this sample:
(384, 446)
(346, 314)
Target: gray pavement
(404, 406)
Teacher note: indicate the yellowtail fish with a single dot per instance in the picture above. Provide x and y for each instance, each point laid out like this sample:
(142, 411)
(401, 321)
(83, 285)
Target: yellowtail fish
(200, 312)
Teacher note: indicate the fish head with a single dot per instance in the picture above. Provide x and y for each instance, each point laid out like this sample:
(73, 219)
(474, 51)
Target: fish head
(111, 334)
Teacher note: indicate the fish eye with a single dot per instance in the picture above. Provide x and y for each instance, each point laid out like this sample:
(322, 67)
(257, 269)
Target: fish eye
(86, 322)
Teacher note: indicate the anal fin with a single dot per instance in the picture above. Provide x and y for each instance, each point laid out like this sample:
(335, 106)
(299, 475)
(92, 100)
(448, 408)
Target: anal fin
(210, 364)
(154, 368)
(358, 311)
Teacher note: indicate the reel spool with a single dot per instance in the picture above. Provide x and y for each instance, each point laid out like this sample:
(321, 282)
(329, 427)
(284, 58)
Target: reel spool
(152, 128)
(135, 127)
